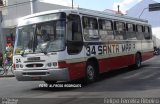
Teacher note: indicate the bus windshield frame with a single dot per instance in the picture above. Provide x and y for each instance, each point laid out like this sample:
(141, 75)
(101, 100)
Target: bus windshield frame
(41, 37)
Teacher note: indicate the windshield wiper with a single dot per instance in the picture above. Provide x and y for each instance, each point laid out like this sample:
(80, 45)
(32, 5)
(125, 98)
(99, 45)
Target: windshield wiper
(45, 52)
(22, 54)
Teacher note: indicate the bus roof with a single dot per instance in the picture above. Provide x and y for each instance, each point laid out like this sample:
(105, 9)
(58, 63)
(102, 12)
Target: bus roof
(95, 13)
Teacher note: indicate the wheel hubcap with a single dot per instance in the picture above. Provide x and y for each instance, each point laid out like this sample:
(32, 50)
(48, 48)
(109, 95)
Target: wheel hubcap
(138, 62)
(90, 72)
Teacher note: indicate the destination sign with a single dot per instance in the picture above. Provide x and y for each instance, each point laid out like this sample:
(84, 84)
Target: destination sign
(109, 49)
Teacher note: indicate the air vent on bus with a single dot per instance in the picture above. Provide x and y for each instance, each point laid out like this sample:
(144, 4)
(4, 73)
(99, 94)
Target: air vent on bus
(35, 73)
(34, 65)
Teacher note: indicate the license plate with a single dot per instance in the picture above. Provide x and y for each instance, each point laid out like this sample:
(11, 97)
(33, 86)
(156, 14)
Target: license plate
(36, 78)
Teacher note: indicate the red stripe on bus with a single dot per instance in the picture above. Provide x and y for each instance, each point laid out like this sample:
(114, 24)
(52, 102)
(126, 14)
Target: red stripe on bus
(77, 70)
(147, 55)
(115, 63)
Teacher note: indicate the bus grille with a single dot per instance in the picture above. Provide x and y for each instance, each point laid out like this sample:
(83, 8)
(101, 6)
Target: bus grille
(35, 73)
(34, 65)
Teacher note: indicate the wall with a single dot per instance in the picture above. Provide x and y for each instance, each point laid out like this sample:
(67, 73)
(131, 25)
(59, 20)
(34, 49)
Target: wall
(19, 8)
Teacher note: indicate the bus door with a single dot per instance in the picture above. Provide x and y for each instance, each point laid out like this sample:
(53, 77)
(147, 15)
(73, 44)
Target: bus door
(75, 57)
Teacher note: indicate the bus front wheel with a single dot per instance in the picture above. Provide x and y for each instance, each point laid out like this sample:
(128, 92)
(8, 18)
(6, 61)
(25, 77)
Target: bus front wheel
(90, 72)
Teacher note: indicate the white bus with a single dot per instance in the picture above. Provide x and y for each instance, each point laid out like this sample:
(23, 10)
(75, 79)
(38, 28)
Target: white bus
(70, 44)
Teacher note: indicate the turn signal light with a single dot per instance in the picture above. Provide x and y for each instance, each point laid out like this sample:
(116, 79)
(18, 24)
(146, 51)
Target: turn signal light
(62, 64)
(14, 66)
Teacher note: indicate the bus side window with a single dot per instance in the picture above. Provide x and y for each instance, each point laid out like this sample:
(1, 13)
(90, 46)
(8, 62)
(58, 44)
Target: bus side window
(90, 28)
(105, 29)
(74, 28)
(130, 33)
(139, 34)
(120, 30)
(150, 32)
(74, 34)
(147, 33)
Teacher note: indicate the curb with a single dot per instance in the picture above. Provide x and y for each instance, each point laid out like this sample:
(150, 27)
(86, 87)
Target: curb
(2, 76)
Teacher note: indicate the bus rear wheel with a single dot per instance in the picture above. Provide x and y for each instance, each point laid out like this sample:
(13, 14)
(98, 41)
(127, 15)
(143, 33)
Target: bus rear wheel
(138, 61)
(90, 72)
(50, 82)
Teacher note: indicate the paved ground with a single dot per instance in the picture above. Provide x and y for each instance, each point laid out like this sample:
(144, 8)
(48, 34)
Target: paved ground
(125, 83)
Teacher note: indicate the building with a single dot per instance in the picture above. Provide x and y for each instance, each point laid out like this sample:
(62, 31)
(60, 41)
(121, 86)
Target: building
(149, 10)
(11, 10)
(1, 38)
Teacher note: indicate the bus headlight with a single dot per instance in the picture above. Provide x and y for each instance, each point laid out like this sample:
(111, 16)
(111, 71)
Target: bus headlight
(49, 65)
(54, 64)
(16, 66)
(21, 66)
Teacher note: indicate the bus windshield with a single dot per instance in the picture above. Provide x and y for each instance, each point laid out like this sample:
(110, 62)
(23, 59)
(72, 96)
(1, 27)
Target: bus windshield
(41, 37)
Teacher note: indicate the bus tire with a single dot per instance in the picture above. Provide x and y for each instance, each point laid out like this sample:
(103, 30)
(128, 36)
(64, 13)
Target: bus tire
(138, 61)
(90, 72)
(50, 82)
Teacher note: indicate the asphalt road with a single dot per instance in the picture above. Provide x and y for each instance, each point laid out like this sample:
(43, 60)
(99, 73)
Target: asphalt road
(124, 83)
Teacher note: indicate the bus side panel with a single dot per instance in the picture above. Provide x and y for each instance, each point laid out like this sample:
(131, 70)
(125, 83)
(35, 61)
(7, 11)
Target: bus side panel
(147, 49)
(147, 55)
(131, 59)
(76, 70)
(104, 65)
(119, 62)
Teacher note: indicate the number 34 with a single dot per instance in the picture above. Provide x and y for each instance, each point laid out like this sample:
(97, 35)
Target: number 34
(18, 60)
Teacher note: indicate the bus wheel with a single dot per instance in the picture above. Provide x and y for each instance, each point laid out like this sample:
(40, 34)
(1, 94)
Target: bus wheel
(138, 61)
(90, 72)
(50, 82)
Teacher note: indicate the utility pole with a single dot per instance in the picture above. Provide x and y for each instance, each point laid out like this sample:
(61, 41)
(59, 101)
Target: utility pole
(2, 44)
(31, 2)
(118, 9)
(72, 4)
(33, 6)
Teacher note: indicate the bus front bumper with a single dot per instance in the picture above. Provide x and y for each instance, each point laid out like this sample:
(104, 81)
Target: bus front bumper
(42, 75)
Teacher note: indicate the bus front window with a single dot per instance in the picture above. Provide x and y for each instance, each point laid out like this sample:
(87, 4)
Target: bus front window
(50, 36)
(25, 39)
(41, 37)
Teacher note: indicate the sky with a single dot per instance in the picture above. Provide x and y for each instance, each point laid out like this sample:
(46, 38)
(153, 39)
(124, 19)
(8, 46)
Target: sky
(100, 5)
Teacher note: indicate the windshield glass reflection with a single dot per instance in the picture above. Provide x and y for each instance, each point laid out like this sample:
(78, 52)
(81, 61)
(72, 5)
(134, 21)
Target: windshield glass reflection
(42, 37)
